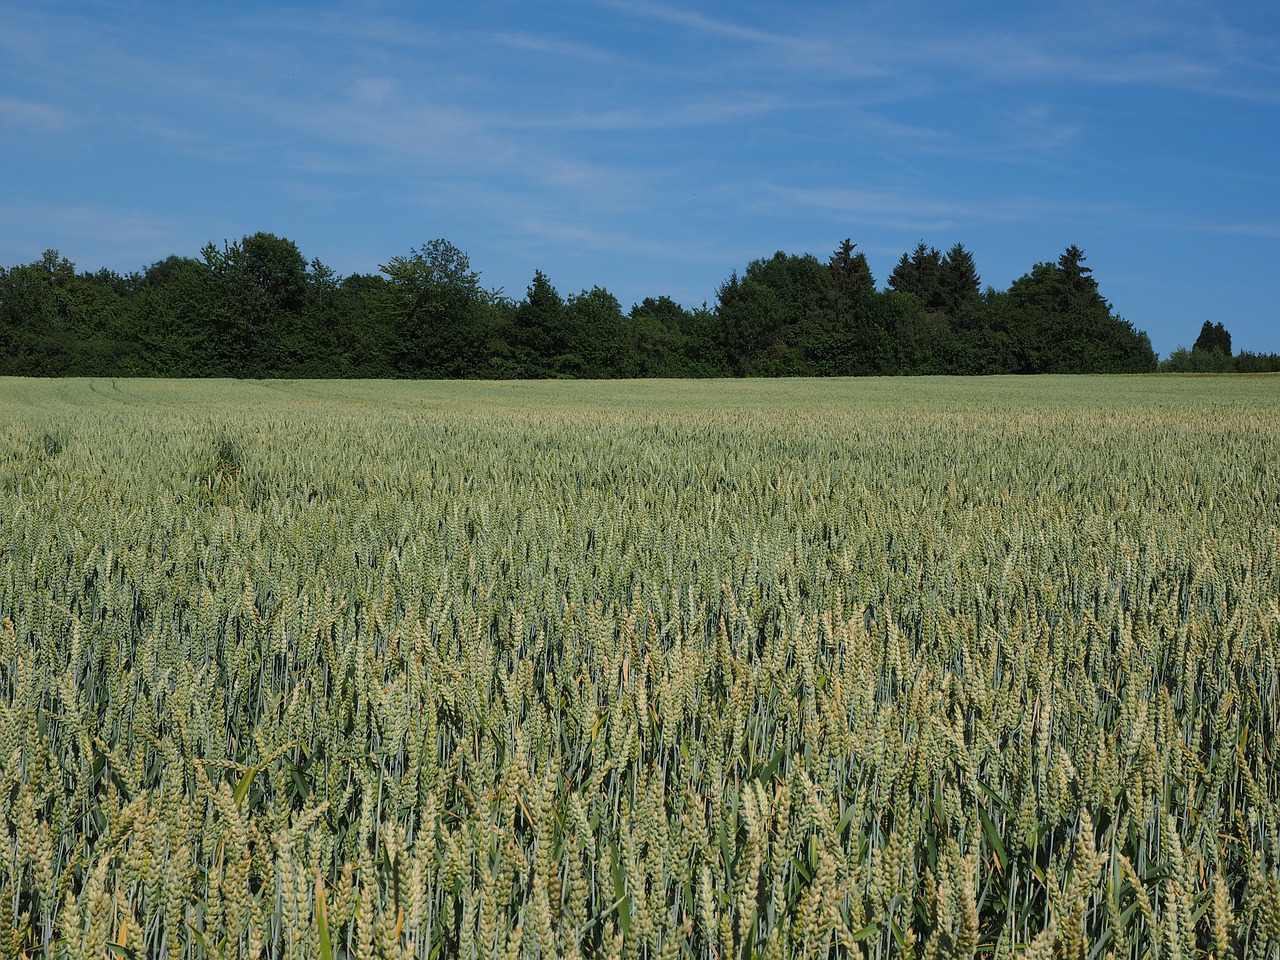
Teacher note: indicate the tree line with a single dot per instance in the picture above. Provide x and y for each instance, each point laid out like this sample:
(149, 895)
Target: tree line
(1211, 353)
(257, 307)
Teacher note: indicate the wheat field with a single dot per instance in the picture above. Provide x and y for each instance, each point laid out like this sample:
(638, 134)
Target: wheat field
(853, 668)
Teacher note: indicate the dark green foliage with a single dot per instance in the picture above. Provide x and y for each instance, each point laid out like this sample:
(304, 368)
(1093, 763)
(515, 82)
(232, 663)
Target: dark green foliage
(1248, 362)
(1213, 359)
(1183, 360)
(598, 331)
(920, 274)
(440, 312)
(538, 335)
(766, 316)
(958, 281)
(258, 308)
(257, 292)
(1211, 353)
(659, 333)
(846, 335)
(850, 284)
(363, 312)
(55, 322)
(1058, 322)
(170, 320)
(1213, 336)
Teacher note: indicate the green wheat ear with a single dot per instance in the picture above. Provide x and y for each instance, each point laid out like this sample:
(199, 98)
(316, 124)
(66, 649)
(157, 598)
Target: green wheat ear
(324, 940)
(920, 668)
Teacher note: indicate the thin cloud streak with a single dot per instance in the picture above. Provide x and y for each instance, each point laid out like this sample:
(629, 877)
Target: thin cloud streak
(803, 53)
(930, 212)
(708, 25)
(707, 111)
(533, 43)
(1117, 48)
(614, 241)
(105, 233)
(16, 114)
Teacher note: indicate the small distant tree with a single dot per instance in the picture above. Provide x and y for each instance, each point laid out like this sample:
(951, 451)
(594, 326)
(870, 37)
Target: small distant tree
(1058, 322)
(442, 311)
(599, 342)
(958, 278)
(1178, 362)
(57, 322)
(255, 296)
(1213, 337)
(849, 284)
(539, 338)
(920, 273)
(1248, 362)
(767, 313)
(170, 315)
(656, 329)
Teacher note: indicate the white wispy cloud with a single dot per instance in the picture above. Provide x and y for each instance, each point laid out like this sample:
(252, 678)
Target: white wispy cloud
(615, 241)
(1038, 128)
(1264, 230)
(1188, 47)
(20, 114)
(551, 47)
(910, 210)
(692, 20)
(703, 111)
(1178, 47)
(121, 236)
(844, 53)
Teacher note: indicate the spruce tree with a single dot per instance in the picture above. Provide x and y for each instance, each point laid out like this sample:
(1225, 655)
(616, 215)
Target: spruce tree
(958, 278)
(1213, 338)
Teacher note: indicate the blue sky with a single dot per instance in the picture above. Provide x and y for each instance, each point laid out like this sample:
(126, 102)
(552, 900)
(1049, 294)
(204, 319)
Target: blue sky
(654, 147)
